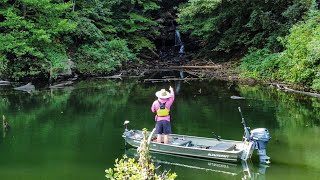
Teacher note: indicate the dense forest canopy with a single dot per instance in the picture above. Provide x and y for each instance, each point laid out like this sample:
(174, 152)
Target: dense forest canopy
(41, 36)
(280, 39)
(229, 25)
(277, 40)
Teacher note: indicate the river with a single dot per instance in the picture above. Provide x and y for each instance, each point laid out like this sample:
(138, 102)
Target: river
(75, 132)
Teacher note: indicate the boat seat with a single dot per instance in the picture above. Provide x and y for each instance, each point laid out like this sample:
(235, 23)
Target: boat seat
(180, 142)
(223, 147)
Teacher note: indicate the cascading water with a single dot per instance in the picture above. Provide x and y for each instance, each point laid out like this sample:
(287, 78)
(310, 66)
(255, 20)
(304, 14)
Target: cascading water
(178, 42)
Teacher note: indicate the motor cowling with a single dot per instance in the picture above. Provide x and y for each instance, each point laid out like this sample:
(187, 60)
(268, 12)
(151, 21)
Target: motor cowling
(261, 137)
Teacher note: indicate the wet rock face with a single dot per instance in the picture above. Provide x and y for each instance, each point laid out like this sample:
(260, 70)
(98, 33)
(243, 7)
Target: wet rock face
(169, 43)
(167, 28)
(166, 45)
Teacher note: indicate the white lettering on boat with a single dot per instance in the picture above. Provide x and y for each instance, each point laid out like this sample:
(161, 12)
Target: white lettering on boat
(218, 155)
(136, 141)
(218, 165)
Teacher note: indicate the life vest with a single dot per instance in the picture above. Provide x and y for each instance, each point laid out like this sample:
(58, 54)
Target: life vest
(162, 111)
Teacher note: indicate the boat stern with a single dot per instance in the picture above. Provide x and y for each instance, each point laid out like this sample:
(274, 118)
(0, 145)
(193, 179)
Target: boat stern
(260, 137)
(248, 148)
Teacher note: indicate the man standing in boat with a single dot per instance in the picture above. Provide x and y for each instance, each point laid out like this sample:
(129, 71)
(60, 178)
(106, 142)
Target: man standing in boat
(162, 109)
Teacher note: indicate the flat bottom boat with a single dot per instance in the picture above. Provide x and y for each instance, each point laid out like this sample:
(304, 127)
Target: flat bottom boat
(209, 148)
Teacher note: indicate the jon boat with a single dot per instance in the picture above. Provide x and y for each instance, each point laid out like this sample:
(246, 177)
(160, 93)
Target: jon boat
(208, 148)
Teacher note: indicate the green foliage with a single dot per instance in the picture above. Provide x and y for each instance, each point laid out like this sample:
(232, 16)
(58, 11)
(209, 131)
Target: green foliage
(301, 57)
(260, 64)
(299, 63)
(3, 65)
(30, 36)
(226, 25)
(143, 169)
(107, 20)
(109, 33)
(102, 58)
(59, 62)
(37, 37)
(133, 21)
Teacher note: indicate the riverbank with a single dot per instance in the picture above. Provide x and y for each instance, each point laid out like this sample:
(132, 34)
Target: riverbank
(205, 69)
(226, 71)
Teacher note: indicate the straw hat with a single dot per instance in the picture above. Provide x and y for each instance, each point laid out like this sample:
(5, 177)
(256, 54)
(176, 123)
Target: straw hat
(163, 94)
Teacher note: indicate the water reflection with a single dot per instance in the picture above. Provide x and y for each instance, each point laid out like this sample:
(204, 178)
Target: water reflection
(189, 165)
(76, 132)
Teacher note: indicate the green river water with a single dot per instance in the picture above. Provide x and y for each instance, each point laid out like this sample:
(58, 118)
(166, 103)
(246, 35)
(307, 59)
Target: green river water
(75, 132)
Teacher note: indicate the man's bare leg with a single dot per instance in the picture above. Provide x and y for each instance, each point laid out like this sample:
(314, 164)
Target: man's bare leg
(166, 139)
(159, 137)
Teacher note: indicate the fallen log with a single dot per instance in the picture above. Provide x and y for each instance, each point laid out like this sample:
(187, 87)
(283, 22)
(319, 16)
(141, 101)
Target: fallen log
(302, 92)
(198, 74)
(195, 67)
(285, 88)
(4, 82)
(170, 79)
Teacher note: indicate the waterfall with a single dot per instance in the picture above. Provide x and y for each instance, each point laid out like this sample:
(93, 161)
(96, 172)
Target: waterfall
(178, 42)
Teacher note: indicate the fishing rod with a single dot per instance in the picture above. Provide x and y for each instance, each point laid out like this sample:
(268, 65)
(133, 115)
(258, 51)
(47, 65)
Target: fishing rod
(246, 129)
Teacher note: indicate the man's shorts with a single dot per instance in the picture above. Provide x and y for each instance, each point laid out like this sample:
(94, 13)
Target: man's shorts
(163, 127)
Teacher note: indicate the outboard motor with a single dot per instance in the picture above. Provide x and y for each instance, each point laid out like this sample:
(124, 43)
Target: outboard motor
(261, 137)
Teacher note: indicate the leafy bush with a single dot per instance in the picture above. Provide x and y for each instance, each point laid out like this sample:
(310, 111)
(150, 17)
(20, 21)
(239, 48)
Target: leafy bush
(102, 58)
(39, 37)
(143, 169)
(3, 65)
(110, 33)
(299, 63)
(133, 21)
(228, 25)
(30, 36)
(260, 64)
(301, 58)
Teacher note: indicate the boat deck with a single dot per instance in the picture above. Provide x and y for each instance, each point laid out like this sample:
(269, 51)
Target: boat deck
(217, 145)
(201, 147)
